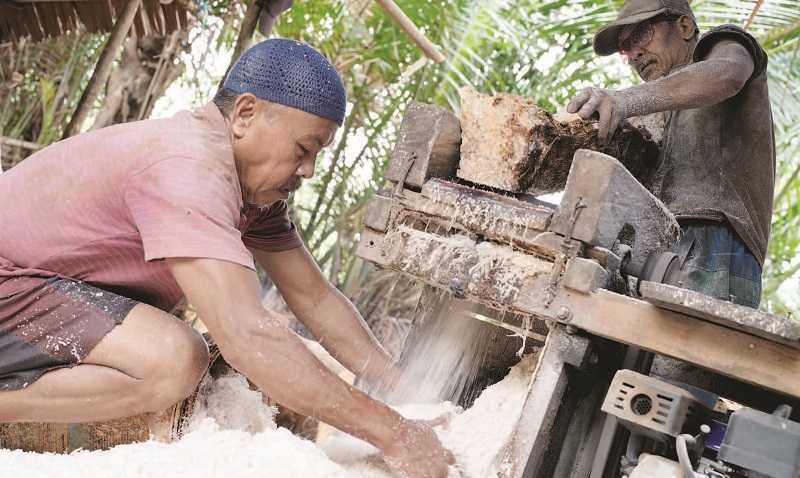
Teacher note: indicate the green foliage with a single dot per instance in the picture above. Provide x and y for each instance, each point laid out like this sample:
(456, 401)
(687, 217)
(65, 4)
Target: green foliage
(44, 82)
(491, 45)
(541, 49)
(537, 48)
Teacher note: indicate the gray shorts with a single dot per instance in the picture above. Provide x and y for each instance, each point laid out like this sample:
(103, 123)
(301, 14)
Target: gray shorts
(51, 323)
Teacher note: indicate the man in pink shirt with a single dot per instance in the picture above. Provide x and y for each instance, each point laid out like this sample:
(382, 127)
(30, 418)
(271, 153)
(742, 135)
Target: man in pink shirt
(101, 235)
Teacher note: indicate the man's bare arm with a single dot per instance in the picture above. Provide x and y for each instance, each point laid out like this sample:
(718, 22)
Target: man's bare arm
(720, 76)
(327, 313)
(227, 297)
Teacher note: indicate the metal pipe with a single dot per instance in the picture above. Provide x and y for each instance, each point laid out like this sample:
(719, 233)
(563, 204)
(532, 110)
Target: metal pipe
(427, 47)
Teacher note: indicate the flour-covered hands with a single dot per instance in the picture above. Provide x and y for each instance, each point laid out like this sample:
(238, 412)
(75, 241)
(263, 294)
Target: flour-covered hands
(610, 107)
(418, 453)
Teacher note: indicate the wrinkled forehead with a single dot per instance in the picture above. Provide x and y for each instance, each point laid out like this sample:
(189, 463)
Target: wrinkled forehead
(302, 124)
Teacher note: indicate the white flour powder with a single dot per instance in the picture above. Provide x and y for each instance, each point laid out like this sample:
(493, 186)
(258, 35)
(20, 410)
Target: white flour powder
(233, 434)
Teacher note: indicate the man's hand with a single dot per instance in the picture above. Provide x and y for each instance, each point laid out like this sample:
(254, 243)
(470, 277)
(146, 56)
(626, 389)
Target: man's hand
(327, 313)
(418, 453)
(610, 106)
(227, 296)
(721, 75)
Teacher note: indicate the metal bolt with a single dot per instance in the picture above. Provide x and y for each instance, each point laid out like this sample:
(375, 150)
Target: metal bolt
(571, 329)
(457, 289)
(563, 314)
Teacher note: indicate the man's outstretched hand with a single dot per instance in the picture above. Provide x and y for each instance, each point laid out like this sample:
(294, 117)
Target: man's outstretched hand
(610, 106)
(418, 453)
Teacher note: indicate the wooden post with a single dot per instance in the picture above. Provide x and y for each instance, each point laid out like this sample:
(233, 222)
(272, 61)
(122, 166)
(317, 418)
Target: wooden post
(249, 23)
(428, 48)
(103, 68)
(20, 143)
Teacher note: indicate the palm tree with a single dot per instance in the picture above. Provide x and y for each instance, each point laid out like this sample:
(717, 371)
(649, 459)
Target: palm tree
(40, 85)
(536, 48)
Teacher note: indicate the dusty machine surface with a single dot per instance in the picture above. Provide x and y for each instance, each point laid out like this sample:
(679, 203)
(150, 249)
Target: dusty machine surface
(585, 278)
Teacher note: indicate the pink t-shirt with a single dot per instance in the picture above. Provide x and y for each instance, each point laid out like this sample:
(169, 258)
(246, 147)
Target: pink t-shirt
(106, 206)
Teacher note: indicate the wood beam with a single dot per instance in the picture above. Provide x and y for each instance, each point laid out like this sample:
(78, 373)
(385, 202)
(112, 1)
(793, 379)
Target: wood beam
(245, 38)
(753, 14)
(723, 350)
(525, 452)
(20, 143)
(427, 47)
(104, 66)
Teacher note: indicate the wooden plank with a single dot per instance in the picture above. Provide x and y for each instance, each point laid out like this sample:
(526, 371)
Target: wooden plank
(526, 450)
(728, 314)
(108, 434)
(370, 247)
(723, 350)
(615, 206)
(432, 136)
(494, 215)
(38, 437)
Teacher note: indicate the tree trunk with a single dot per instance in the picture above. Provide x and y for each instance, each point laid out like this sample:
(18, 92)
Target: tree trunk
(147, 68)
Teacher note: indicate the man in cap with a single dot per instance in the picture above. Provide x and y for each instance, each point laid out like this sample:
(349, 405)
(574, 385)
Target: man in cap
(716, 168)
(104, 233)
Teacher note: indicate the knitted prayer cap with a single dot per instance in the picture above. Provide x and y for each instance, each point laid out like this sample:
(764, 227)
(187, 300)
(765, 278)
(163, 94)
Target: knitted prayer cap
(290, 73)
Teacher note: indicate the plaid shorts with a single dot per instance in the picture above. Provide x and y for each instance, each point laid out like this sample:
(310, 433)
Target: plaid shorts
(51, 323)
(716, 262)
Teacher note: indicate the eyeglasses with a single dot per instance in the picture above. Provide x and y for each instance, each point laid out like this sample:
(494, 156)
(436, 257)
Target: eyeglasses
(643, 34)
(639, 38)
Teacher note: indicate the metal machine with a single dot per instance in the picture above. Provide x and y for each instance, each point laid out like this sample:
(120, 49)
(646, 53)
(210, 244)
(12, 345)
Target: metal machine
(632, 370)
(678, 432)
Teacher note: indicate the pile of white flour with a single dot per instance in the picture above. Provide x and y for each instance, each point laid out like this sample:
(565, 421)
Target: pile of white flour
(234, 434)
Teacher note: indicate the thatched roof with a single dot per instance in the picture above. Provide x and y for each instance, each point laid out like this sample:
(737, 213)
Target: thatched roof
(42, 19)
